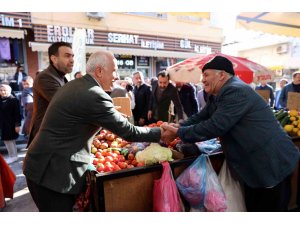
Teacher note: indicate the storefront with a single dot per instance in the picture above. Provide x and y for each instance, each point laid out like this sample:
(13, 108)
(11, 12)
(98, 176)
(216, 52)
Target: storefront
(13, 30)
(134, 51)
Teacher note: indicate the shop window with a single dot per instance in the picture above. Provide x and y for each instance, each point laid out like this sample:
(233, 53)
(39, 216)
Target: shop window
(11, 51)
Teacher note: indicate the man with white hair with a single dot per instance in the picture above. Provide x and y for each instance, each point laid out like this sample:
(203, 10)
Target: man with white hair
(57, 160)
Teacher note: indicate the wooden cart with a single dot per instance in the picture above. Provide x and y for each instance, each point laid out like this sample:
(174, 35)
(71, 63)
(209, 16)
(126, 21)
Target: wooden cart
(131, 190)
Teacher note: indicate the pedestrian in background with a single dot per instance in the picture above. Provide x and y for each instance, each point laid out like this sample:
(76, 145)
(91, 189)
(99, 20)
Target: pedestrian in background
(46, 84)
(202, 98)
(264, 86)
(18, 77)
(282, 83)
(142, 93)
(294, 86)
(163, 92)
(187, 95)
(27, 103)
(10, 121)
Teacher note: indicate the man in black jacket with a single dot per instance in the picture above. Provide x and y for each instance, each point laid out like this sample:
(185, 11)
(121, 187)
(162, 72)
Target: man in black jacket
(163, 92)
(142, 93)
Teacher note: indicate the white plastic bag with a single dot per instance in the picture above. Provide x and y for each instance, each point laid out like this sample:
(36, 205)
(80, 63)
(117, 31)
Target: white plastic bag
(233, 191)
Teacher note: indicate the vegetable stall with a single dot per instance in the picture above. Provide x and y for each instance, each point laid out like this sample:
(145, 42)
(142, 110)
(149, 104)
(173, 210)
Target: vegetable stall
(125, 172)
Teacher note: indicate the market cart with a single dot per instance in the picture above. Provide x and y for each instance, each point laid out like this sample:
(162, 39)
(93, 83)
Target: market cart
(131, 190)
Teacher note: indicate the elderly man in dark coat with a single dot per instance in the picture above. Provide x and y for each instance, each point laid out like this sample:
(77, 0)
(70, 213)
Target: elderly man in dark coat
(257, 150)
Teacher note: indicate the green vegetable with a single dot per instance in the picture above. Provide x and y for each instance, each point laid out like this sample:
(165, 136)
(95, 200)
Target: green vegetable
(285, 121)
(154, 153)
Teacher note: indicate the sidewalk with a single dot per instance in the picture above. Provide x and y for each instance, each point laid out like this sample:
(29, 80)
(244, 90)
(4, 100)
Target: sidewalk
(22, 201)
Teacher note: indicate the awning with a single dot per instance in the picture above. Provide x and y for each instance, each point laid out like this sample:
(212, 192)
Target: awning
(43, 47)
(153, 53)
(280, 23)
(12, 33)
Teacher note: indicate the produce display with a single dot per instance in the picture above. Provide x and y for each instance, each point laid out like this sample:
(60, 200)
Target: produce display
(290, 121)
(112, 153)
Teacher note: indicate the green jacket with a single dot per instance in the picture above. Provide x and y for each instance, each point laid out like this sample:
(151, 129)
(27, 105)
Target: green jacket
(59, 155)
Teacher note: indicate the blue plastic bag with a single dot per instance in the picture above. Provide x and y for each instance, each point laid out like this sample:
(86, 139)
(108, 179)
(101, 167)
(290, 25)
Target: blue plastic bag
(192, 182)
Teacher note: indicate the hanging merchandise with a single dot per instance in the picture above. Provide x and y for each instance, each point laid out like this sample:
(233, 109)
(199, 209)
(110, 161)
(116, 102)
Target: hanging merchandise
(5, 49)
(16, 53)
(166, 197)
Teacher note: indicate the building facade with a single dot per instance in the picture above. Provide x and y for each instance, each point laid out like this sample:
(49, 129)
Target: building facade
(15, 34)
(148, 42)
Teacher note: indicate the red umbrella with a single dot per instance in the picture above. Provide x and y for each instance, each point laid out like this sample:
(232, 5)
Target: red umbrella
(189, 70)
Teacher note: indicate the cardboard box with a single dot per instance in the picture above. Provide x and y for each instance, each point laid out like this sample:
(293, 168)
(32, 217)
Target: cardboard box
(293, 101)
(265, 94)
(123, 105)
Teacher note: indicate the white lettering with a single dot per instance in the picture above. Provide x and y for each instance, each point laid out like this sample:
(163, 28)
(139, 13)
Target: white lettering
(152, 44)
(122, 38)
(58, 33)
(185, 43)
(202, 49)
(90, 33)
(65, 31)
(8, 22)
(20, 22)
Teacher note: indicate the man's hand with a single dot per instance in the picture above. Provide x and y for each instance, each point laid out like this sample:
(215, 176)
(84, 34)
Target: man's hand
(169, 133)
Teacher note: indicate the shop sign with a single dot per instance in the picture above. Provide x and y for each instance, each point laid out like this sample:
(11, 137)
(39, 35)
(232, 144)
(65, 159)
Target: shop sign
(10, 21)
(143, 61)
(202, 49)
(122, 38)
(62, 33)
(125, 62)
(152, 44)
(185, 43)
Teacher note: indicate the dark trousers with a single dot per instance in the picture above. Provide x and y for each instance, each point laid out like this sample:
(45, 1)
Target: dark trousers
(275, 199)
(50, 201)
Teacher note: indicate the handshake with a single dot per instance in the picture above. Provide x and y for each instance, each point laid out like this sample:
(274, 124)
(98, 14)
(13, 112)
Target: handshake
(168, 132)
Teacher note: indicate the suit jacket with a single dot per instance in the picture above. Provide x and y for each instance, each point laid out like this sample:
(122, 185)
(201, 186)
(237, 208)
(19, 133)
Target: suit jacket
(187, 95)
(256, 147)
(44, 87)
(142, 99)
(59, 155)
(162, 106)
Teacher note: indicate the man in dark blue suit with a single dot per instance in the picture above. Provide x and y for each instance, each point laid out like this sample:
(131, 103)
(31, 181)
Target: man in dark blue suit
(257, 150)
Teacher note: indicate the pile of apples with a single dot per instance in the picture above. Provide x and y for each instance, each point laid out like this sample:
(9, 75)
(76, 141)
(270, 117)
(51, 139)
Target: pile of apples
(111, 153)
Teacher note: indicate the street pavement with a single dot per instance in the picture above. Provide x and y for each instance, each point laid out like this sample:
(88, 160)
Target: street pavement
(22, 201)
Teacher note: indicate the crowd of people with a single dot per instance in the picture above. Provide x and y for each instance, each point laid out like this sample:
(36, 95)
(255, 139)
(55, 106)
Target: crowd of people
(61, 118)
